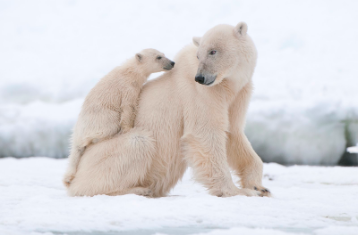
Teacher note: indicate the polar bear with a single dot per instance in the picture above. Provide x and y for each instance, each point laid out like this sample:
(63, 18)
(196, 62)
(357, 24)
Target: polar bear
(193, 116)
(110, 107)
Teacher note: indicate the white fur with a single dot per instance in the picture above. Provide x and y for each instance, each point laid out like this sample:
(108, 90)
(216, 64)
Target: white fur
(110, 107)
(181, 123)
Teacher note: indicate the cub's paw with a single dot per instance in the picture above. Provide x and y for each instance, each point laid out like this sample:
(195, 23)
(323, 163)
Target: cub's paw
(67, 179)
(263, 192)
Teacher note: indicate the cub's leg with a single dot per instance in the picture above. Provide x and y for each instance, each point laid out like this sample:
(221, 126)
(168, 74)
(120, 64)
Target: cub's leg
(128, 113)
(74, 159)
(90, 130)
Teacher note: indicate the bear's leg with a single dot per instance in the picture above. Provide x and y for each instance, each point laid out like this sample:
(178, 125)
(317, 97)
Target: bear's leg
(115, 166)
(141, 191)
(247, 164)
(107, 129)
(211, 168)
(241, 156)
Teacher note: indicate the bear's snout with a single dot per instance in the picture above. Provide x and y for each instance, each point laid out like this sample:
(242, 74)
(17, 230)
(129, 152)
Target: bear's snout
(200, 79)
(170, 65)
(205, 79)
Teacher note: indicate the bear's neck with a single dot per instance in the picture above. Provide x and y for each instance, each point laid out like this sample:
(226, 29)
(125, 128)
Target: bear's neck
(228, 89)
(239, 79)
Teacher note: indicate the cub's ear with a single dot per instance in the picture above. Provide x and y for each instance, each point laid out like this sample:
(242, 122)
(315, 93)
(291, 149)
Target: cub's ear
(196, 41)
(138, 57)
(241, 29)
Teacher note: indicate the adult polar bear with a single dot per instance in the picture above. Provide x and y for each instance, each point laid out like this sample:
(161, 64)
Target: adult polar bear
(181, 122)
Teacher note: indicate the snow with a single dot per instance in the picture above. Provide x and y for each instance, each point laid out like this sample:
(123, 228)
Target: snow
(304, 108)
(306, 200)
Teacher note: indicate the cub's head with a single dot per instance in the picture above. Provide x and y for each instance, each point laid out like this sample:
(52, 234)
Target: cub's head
(154, 61)
(225, 52)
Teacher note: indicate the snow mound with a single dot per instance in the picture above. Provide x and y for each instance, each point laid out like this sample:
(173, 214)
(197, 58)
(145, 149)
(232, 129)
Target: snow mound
(306, 200)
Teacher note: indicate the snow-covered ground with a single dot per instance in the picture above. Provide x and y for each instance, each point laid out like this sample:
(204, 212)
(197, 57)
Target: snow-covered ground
(306, 200)
(304, 108)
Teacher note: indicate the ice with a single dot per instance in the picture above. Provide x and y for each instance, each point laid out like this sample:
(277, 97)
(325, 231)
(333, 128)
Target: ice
(353, 149)
(306, 200)
(284, 132)
(304, 109)
(298, 133)
(38, 128)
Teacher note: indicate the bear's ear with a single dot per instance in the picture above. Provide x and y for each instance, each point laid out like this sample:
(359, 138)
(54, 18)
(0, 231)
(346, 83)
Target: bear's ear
(241, 29)
(196, 41)
(138, 57)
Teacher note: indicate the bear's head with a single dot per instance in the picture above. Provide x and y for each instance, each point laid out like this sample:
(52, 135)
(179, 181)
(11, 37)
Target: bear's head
(225, 52)
(152, 61)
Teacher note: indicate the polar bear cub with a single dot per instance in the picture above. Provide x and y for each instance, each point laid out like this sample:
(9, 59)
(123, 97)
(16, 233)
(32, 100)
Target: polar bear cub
(110, 107)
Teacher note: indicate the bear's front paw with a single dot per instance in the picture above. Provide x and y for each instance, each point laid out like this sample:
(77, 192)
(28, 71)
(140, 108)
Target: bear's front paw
(249, 192)
(263, 192)
(236, 191)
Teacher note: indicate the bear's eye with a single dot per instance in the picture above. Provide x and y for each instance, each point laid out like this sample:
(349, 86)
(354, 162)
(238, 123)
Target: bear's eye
(158, 58)
(213, 52)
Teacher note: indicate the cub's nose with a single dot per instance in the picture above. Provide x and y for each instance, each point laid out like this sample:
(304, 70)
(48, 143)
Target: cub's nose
(200, 79)
(172, 63)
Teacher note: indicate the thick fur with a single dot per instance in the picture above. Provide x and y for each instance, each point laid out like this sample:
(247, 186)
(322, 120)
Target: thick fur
(110, 107)
(182, 123)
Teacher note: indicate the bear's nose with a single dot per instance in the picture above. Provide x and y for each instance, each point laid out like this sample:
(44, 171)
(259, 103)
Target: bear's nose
(200, 79)
(172, 63)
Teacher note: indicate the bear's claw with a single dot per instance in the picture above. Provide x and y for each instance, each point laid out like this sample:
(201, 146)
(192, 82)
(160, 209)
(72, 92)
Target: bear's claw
(263, 192)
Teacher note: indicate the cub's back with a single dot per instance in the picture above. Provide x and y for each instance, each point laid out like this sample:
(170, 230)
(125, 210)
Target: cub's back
(110, 90)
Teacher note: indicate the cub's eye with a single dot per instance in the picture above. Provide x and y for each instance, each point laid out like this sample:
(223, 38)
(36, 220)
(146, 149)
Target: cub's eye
(159, 58)
(213, 52)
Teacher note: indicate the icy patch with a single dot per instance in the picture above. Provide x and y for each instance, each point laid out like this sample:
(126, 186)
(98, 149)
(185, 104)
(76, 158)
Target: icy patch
(307, 200)
(291, 132)
(353, 149)
(280, 131)
(37, 129)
